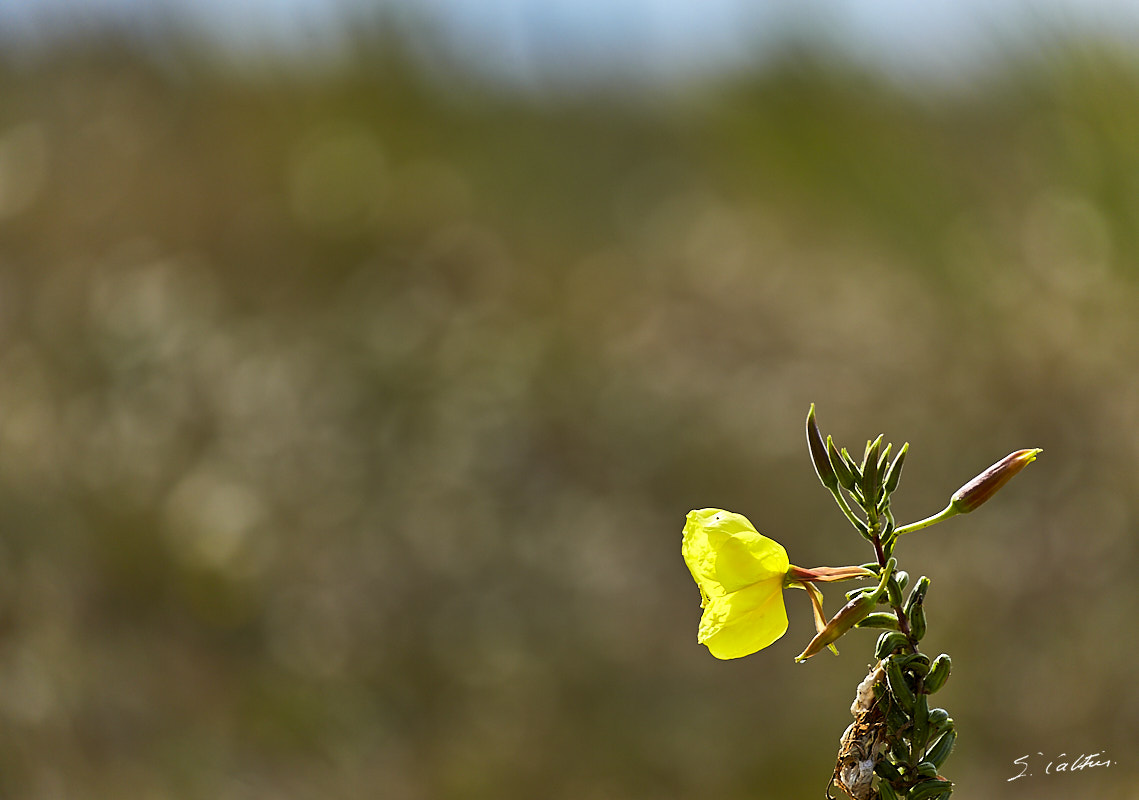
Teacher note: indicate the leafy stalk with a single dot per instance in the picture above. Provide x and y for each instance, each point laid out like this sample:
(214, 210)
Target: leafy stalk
(906, 740)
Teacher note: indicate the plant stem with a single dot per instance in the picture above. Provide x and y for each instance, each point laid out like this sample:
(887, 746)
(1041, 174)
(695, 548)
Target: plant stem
(880, 555)
(944, 514)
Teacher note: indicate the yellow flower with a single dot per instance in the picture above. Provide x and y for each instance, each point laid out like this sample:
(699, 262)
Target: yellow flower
(740, 573)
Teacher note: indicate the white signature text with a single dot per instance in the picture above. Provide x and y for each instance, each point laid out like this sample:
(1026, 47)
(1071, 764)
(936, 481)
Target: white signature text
(1062, 763)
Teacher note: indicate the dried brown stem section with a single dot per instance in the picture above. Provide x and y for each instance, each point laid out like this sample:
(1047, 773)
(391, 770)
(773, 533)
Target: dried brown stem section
(863, 743)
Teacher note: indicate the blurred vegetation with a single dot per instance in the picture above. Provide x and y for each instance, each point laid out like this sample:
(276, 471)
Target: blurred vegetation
(348, 421)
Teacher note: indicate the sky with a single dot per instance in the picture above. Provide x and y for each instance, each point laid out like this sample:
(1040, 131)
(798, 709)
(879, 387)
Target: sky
(511, 39)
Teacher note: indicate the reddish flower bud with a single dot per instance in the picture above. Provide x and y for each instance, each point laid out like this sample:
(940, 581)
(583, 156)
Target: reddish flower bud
(846, 618)
(985, 485)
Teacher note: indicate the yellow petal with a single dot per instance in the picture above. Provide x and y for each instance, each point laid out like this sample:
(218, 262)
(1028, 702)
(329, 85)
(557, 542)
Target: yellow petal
(740, 573)
(725, 552)
(740, 623)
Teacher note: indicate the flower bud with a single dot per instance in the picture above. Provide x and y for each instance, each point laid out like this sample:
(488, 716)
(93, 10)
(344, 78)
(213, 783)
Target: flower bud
(840, 623)
(985, 485)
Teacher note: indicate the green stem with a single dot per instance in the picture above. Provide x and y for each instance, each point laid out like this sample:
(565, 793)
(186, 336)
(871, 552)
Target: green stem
(899, 612)
(880, 554)
(904, 627)
(941, 516)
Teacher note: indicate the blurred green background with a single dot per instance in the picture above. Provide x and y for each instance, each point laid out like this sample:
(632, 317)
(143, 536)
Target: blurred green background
(349, 418)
